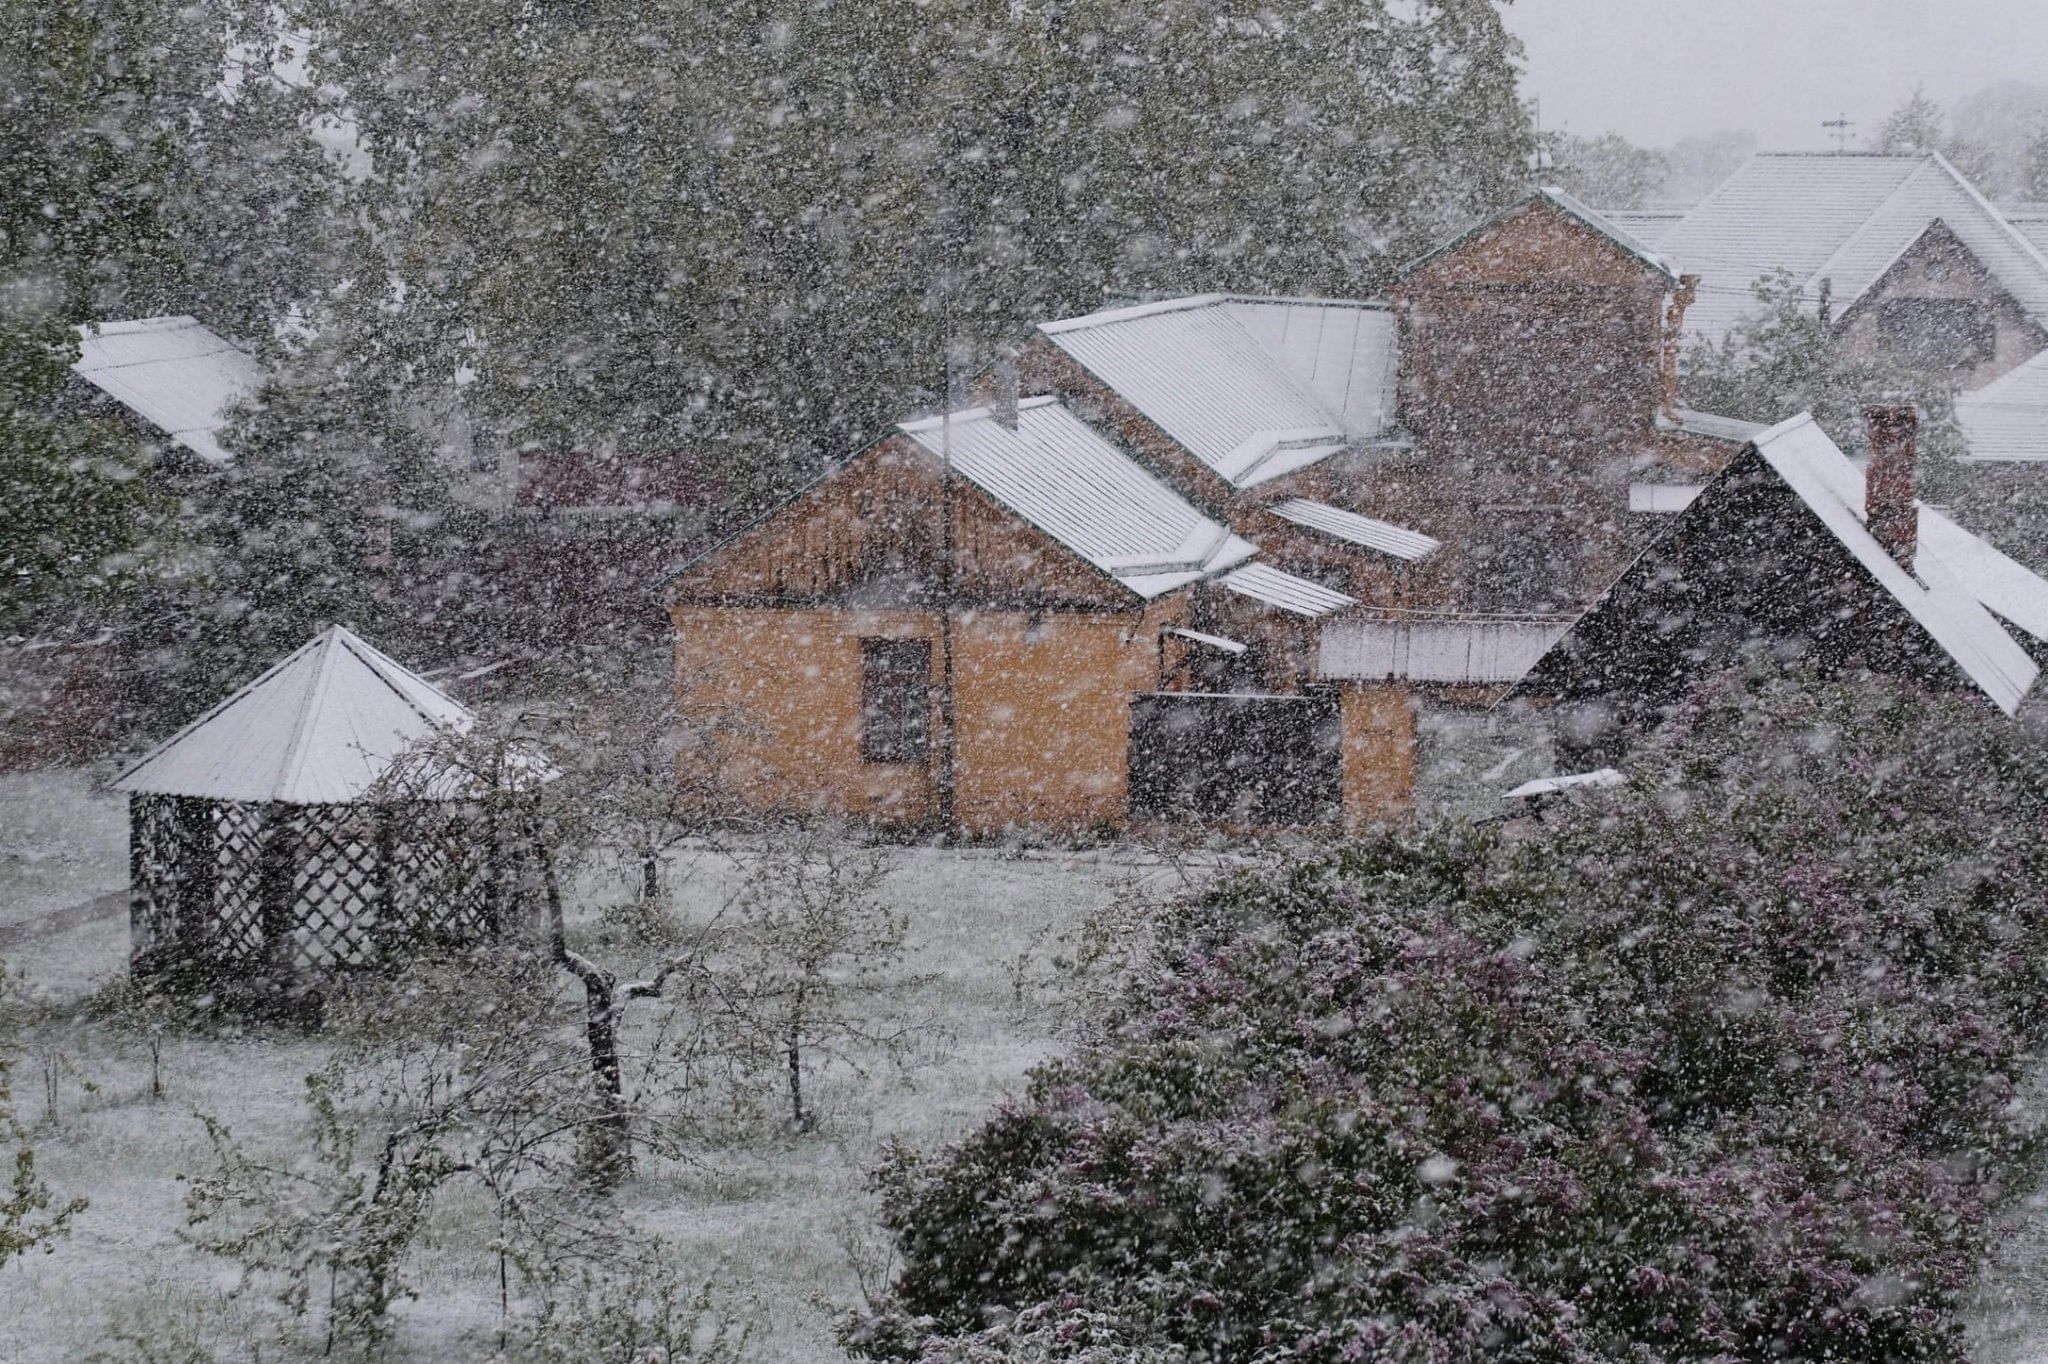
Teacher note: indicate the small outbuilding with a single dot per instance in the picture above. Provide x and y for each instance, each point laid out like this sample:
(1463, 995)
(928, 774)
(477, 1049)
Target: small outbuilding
(306, 826)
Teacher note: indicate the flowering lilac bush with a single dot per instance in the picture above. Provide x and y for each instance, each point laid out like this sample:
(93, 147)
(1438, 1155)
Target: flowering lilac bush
(1723, 1066)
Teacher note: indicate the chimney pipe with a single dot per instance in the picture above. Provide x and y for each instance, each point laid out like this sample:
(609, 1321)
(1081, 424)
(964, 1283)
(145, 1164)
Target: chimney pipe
(1888, 506)
(1006, 394)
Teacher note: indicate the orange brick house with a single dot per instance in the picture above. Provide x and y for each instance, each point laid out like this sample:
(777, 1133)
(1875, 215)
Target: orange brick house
(1198, 557)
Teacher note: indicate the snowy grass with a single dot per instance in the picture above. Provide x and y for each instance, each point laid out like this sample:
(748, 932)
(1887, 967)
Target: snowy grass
(63, 840)
(771, 1217)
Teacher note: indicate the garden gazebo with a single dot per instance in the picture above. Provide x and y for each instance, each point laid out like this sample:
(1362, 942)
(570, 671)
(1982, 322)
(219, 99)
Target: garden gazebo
(284, 835)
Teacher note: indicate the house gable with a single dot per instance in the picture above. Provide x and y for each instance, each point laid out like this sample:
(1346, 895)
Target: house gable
(868, 536)
(1939, 307)
(1755, 569)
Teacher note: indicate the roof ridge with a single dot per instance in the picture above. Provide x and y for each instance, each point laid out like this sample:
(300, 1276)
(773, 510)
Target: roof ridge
(1104, 317)
(295, 748)
(377, 661)
(1991, 211)
(1827, 267)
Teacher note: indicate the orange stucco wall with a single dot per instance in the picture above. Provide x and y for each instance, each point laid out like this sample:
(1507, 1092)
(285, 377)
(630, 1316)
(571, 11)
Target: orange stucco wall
(1379, 755)
(1042, 711)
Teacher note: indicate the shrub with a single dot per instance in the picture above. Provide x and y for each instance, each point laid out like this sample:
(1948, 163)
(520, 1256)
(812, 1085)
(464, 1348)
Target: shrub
(1720, 1066)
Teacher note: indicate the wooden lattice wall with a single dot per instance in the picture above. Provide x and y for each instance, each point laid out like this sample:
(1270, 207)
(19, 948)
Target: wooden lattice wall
(232, 892)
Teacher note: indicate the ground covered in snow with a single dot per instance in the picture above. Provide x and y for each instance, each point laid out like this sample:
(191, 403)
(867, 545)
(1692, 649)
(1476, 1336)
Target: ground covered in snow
(782, 1223)
(782, 1220)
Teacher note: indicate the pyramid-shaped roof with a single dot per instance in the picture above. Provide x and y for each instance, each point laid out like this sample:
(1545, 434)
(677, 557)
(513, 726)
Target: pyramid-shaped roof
(321, 727)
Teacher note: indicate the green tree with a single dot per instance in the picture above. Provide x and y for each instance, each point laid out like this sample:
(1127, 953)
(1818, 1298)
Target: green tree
(1917, 125)
(753, 235)
(1610, 171)
(2034, 170)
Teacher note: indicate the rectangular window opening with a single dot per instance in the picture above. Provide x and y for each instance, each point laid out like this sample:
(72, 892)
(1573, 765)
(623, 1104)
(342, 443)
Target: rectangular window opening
(895, 700)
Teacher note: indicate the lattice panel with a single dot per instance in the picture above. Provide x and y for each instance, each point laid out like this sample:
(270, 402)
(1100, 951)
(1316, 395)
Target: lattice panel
(247, 892)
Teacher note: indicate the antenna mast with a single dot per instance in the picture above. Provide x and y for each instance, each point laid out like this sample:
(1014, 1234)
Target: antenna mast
(1838, 129)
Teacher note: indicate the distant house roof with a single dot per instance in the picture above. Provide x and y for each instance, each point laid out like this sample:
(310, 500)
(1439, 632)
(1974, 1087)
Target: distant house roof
(1253, 387)
(1566, 204)
(1057, 473)
(1842, 217)
(2008, 418)
(1604, 778)
(321, 727)
(1957, 592)
(1733, 429)
(1338, 524)
(2032, 222)
(172, 372)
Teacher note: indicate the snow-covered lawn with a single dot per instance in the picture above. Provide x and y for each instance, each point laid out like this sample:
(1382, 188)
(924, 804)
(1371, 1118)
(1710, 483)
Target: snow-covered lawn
(768, 1215)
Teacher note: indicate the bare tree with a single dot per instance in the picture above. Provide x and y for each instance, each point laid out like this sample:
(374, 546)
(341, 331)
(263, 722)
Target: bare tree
(812, 960)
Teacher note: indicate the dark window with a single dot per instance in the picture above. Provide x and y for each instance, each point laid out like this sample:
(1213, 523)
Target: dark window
(895, 700)
(1939, 333)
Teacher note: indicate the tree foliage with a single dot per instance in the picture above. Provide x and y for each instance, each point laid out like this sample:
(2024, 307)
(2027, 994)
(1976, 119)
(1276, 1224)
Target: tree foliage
(754, 234)
(1726, 1066)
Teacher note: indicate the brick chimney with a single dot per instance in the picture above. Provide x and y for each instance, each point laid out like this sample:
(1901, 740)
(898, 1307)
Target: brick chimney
(1888, 505)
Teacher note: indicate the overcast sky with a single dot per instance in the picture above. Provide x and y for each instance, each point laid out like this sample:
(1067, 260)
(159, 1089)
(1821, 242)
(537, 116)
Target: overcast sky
(1658, 70)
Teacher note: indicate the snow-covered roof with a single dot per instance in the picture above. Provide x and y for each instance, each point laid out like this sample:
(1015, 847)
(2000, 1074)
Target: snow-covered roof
(1475, 651)
(174, 373)
(2008, 419)
(2032, 222)
(321, 727)
(1355, 529)
(1842, 217)
(1956, 577)
(1732, 429)
(1602, 779)
(1253, 387)
(1277, 587)
(1056, 472)
(1566, 204)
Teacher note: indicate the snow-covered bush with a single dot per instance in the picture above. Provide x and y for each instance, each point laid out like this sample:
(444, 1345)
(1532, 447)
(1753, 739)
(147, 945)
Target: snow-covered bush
(1722, 1066)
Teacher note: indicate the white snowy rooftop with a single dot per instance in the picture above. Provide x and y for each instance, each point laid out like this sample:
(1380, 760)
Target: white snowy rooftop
(1059, 474)
(1352, 528)
(1253, 387)
(2008, 419)
(1603, 779)
(1289, 592)
(1958, 581)
(174, 373)
(1842, 217)
(321, 727)
(1471, 651)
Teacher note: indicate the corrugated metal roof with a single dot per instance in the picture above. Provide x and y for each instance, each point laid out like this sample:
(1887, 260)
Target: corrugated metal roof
(1436, 649)
(1940, 593)
(173, 373)
(1843, 217)
(1732, 429)
(1277, 587)
(1217, 642)
(321, 727)
(2008, 419)
(1056, 472)
(1252, 387)
(1644, 224)
(1383, 536)
(2031, 220)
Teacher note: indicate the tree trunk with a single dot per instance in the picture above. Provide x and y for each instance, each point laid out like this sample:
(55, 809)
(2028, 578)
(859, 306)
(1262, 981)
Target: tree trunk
(650, 876)
(609, 1157)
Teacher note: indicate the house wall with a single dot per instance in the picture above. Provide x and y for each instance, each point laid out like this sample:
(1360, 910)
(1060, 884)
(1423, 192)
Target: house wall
(1531, 377)
(1042, 711)
(1379, 755)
